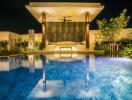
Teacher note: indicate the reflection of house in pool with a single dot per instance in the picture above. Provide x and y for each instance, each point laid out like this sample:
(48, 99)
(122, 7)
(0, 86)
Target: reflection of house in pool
(31, 60)
(74, 82)
(66, 80)
(11, 63)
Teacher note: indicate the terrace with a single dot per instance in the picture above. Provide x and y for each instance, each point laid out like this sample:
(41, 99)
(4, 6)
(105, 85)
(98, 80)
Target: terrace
(67, 60)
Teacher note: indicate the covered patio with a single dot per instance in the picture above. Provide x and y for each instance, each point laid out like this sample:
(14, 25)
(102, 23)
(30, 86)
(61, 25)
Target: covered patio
(65, 25)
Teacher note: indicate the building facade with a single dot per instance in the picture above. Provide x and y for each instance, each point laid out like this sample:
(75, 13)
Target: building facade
(62, 23)
(13, 38)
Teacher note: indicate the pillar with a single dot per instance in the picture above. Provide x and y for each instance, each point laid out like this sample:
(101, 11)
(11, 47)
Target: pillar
(87, 30)
(44, 73)
(31, 39)
(31, 60)
(43, 30)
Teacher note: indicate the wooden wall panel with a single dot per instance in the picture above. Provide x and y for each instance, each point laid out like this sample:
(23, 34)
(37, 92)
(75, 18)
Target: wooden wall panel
(69, 31)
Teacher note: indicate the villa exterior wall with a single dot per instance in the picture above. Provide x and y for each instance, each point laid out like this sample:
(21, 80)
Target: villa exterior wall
(38, 37)
(24, 37)
(13, 40)
(126, 33)
(10, 37)
(4, 35)
(94, 36)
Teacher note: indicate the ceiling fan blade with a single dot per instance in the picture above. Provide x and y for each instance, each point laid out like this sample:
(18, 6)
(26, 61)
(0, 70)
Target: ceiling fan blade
(68, 20)
(67, 16)
(64, 16)
(61, 19)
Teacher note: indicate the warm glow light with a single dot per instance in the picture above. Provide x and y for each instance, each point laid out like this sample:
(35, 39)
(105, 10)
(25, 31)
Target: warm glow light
(56, 88)
(65, 48)
(74, 48)
(57, 55)
(57, 48)
(66, 55)
(53, 10)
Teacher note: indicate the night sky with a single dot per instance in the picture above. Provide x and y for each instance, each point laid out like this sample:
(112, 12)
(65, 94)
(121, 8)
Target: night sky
(16, 18)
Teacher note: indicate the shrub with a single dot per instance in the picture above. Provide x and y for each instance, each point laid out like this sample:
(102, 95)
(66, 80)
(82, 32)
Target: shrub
(38, 45)
(3, 44)
(102, 46)
(126, 52)
(22, 45)
(124, 42)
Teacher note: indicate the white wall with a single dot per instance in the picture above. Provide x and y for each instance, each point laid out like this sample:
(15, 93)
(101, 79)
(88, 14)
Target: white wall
(24, 37)
(126, 33)
(92, 38)
(4, 35)
(96, 36)
(38, 37)
(13, 39)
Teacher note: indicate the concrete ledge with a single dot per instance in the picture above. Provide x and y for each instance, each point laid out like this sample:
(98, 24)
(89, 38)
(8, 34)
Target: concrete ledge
(100, 52)
(97, 52)
(10, 55)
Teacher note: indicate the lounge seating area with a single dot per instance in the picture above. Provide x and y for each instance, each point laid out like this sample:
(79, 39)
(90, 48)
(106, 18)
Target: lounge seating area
(65, 46)
(68, 47)
(66, 43)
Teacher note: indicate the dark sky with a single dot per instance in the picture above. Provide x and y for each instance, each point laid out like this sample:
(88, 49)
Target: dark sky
(16, 18)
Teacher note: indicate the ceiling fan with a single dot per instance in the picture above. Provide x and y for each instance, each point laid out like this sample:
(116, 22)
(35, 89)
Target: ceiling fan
(64, 19)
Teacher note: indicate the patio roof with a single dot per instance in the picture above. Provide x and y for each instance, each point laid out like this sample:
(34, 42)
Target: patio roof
(55, 11)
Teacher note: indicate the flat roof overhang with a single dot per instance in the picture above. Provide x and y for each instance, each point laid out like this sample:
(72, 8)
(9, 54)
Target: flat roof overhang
(55, 11)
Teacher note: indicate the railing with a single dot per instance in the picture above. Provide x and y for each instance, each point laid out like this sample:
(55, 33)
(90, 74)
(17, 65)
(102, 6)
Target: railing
(113, 47)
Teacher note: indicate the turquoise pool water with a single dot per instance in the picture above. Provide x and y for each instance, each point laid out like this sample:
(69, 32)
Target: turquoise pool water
(41, 77)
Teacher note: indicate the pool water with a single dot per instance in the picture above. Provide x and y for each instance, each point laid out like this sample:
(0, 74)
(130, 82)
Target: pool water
(38, 77)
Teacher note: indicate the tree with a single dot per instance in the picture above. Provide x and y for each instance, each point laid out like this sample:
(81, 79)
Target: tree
(110, 28)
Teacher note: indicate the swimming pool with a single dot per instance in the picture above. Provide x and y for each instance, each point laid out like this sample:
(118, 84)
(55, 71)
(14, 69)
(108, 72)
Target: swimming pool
(37, 77)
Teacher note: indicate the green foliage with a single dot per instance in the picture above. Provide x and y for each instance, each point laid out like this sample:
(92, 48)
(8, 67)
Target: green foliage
(102, 46)
(38, 45)
(109, 28)
(98, 46)
(127, 52)
(22, 45)
(38, 57)
(124, 42)
(3, 44)
(125, 47)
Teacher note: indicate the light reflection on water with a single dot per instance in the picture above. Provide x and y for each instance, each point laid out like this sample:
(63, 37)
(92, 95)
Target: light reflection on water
(28, 61)
(71, 77)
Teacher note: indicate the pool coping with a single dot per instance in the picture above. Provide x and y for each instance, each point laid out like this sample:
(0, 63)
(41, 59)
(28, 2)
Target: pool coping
(100, 52)
(13, 55)
(97, 52)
